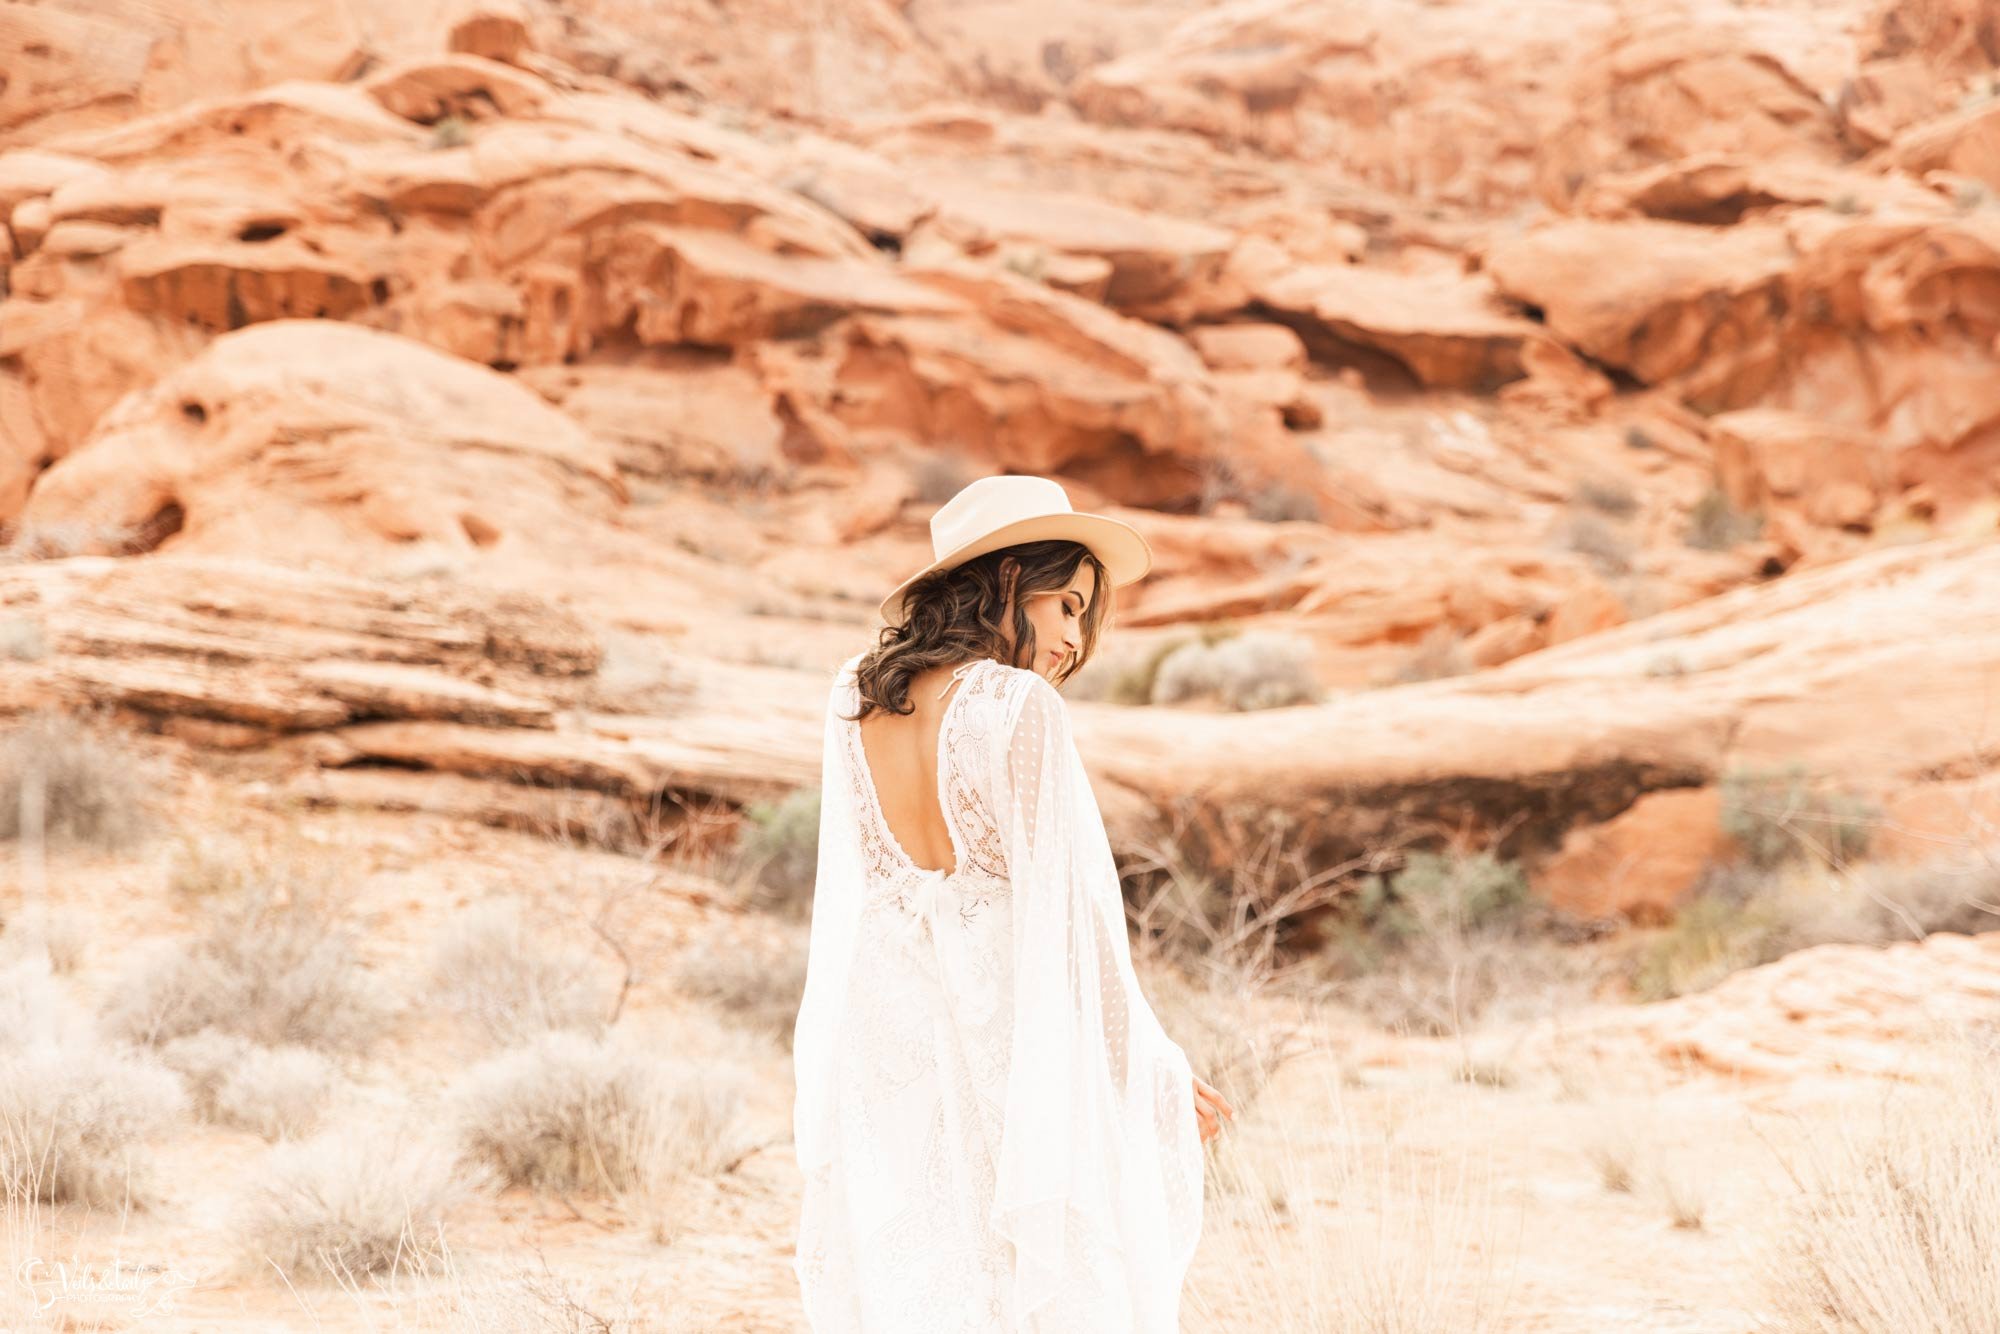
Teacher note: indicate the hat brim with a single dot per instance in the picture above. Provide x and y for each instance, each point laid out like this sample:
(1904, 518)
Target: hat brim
(1117, 545)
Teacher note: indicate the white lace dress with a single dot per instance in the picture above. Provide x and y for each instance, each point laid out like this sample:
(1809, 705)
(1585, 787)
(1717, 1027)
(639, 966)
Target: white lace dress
(995, 1133)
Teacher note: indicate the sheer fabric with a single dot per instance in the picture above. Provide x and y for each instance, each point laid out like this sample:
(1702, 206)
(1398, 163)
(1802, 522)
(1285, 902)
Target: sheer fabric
(996, 1134)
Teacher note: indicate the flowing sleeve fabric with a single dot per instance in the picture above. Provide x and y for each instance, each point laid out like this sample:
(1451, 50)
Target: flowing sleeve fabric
(836, 912)
(1099, 1171)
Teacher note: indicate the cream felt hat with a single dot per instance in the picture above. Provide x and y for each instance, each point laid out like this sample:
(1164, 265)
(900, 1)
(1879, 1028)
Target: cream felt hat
(995, 512)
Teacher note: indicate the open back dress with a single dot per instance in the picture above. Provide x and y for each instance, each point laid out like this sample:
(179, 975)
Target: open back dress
(995, 1133)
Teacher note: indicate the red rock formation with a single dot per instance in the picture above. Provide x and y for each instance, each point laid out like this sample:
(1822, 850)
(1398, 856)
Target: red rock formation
(1396, 326)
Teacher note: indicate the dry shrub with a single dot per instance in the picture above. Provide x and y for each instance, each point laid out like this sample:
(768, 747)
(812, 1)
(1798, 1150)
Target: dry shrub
(357, 1199)
(21, 640)
(89, 785)
(233, 858)
(276, 964)
(1742, 916)
(756, 992)
(57, 934)
(1612, 495)
(274, 1092)
(1732, 921)
(1955, 892)
(778, 853)
(568, 1113)
(1447, 941)
(75, 1112)
(498, 973)
(1257, 669)
(1716, 525)
(1779, 815)
(73, 1123)
(35, 1008)
(1589, 536)
(1125, 673)
(1894, 1224)
(940, 474)
(1214, 897)
(635, 676)
(697, 1133)
(1439, 654)
(1227, 1041)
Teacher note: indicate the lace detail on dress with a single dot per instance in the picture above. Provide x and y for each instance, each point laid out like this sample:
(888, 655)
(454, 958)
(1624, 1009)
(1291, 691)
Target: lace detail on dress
(964, 748)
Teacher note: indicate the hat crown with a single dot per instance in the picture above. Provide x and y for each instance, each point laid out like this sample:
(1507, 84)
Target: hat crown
(990, 503)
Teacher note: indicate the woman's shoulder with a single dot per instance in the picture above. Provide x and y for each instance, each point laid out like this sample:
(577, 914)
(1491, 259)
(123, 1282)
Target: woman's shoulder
(1019, 692)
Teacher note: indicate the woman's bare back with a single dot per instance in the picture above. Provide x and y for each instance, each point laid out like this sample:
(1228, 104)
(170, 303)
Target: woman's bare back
(902, 756)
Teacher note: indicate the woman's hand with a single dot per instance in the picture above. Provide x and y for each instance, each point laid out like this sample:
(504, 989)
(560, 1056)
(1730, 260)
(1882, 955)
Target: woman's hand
(1208, 1104)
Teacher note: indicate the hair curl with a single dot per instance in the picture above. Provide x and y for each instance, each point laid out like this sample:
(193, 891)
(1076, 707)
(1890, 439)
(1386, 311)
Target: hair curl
(953, 616)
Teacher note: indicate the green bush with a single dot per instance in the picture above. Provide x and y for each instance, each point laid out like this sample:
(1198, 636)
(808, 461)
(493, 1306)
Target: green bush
(1446, 940)
(1716, 525)
(1777, 815)
(780, 850)
(1731, 922)
(1439, 890)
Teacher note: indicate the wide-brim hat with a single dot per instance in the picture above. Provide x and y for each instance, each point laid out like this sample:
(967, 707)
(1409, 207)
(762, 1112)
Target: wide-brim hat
(995, 512)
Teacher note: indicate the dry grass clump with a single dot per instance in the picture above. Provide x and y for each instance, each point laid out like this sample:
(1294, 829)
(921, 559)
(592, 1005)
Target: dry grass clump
(75, 1112)
(567, 1113)
(275, 1092)
(1613, 1149)
(357, 1199)
(494, 970)
(757, 992)
(274, 963)
(1682, 1189)
(1894, 1223)
(1254, 670)
(1325, 1219)
(69, 781)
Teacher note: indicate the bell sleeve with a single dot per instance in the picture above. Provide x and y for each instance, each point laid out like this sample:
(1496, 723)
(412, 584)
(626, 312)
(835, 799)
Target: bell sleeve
(836, 911)
(1100, 1166)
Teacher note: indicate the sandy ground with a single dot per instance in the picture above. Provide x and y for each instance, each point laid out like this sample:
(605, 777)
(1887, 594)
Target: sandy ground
(1365, 1176)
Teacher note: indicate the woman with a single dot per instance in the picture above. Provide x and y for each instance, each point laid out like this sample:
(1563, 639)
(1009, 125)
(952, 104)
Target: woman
(995, 1132)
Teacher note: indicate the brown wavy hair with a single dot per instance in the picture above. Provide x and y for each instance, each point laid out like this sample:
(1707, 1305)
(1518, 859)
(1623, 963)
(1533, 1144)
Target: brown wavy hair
(953, 615)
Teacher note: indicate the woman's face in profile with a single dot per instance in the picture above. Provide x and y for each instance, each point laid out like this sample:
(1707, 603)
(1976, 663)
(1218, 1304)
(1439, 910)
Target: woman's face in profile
(1057, 620)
